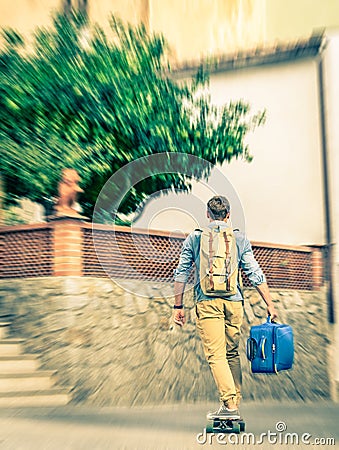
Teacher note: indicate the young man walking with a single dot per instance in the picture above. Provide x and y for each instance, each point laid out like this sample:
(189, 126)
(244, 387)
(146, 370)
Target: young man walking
(219, 311)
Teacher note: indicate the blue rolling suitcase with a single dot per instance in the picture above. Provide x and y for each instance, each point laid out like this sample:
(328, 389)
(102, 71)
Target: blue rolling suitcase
(270, 347)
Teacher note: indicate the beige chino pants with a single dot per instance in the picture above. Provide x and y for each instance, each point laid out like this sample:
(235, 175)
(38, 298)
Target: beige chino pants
(219, 322)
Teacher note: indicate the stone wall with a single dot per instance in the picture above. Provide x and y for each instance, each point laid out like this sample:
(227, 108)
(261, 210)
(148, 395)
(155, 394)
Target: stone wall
(116, 347)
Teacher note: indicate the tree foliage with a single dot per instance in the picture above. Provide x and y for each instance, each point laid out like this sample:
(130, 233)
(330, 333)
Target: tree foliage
(97, 105)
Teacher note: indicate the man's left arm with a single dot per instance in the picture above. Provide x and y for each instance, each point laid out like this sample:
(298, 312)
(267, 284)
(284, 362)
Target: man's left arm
(256, 276)
(266, 296)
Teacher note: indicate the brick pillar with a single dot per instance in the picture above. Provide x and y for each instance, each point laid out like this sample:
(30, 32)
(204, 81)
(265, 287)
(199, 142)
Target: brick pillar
(67, 247)
(317, 268)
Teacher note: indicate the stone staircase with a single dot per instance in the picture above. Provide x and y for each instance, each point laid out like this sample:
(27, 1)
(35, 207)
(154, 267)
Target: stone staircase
(21, 381)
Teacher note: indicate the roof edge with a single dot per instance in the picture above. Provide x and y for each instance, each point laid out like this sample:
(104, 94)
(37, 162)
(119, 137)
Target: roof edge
(264, 55)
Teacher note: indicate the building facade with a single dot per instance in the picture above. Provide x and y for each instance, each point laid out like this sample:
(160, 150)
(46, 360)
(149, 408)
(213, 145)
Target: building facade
(193, 28)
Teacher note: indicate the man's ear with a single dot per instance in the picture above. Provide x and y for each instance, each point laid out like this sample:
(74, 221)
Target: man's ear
(208, 215)
(228, 216)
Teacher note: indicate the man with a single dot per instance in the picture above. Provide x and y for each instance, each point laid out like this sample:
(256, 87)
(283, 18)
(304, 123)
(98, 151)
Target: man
(219, 319)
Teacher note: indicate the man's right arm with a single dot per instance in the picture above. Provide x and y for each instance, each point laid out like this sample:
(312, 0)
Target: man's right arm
(179, 314)
(181, 275)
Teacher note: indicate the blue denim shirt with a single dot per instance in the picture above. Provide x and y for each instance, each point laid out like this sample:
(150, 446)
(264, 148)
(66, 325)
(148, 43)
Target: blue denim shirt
(191, 253)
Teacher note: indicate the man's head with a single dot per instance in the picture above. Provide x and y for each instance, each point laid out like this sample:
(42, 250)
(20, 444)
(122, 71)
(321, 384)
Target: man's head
(218, 208)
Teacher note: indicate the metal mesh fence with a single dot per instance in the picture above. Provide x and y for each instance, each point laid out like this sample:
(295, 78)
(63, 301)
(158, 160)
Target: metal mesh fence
(127, 255)
(29, 252)
(153, 257)
(26, 253)
(288, 269)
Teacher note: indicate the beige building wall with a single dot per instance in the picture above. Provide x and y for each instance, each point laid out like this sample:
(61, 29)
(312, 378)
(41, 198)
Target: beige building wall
(290, 19)
(196, 28)
(193, 28)
(25, 15)
(132, 11)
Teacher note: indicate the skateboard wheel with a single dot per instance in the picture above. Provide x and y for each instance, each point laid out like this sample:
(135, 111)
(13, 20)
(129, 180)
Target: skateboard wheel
(242, 426)
(210, 427)
(236, 428)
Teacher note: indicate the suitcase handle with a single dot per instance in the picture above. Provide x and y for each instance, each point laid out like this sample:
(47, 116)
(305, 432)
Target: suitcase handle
(251, 349)
(269, 320)
(262, 347)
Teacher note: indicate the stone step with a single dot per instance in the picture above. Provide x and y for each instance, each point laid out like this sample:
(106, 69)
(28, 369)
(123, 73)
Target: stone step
(51, 397)
(4, 329)
(18, 364)
(10, 347)
(36, 381)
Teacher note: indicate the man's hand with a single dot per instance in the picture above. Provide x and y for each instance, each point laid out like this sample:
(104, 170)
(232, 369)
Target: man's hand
(179, 314)
(272, 312)
(179, 317)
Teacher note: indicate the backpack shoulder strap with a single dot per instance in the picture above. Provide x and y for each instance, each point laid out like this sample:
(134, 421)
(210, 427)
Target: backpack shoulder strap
(211, 255)
(227, 259)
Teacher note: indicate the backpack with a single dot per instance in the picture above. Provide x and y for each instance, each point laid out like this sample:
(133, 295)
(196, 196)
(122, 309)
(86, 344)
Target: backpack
(219, 270)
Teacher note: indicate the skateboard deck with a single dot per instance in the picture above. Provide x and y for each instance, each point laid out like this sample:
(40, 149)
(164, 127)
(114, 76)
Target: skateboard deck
(225, 425)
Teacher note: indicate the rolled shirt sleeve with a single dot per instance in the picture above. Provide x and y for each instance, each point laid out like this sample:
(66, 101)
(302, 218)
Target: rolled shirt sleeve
(182, 272)
(250, 266)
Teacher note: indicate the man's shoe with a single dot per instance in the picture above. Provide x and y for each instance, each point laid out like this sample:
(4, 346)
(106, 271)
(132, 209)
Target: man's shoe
(224, 413)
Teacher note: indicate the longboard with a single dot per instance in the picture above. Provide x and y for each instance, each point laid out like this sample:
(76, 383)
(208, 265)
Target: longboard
(225, 425)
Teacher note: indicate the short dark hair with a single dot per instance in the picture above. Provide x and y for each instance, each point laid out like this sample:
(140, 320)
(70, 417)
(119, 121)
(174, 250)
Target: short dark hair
(218, 207)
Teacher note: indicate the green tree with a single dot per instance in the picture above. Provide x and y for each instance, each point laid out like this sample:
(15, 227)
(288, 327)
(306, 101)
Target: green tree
(97, 105)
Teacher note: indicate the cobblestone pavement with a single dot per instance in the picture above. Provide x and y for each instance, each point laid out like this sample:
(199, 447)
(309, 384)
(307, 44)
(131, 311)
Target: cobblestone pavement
(167, 427)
